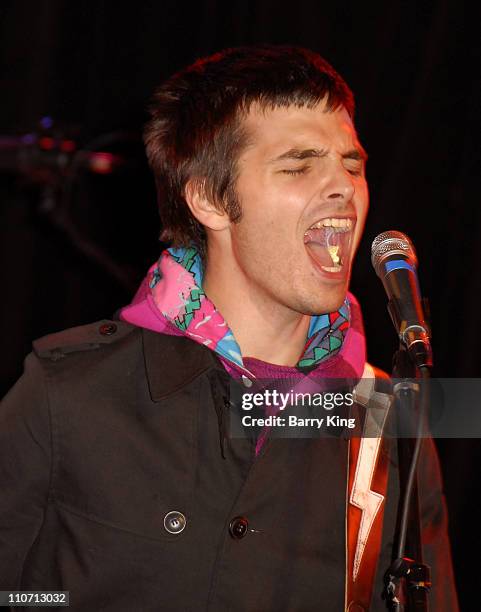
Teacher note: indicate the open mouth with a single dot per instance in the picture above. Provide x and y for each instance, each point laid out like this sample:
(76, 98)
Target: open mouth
(329, 243)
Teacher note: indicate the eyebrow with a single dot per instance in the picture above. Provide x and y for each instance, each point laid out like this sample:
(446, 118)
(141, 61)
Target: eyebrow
(299, 154)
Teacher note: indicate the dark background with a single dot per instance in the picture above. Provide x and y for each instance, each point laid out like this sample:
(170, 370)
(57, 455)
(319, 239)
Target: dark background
(75, 244)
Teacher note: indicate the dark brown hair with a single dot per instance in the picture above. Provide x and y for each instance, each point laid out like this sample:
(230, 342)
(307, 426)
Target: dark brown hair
(195, 130)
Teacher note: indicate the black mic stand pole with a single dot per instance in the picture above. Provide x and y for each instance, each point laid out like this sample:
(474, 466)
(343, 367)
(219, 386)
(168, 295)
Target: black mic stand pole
(408, 578)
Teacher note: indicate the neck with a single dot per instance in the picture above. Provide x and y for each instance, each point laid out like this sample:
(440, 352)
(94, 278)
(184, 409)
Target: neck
(263, 328)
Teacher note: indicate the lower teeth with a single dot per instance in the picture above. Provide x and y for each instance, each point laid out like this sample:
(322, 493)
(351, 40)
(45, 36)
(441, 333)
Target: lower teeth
(332, 268)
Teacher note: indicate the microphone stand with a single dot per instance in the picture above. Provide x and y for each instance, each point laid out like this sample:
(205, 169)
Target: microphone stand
(407, 580)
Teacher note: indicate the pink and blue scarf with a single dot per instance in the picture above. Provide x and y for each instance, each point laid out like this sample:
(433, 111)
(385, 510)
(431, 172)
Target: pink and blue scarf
(175, 291)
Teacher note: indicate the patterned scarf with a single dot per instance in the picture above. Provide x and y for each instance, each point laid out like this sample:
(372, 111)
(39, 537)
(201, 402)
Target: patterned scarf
(176, 287)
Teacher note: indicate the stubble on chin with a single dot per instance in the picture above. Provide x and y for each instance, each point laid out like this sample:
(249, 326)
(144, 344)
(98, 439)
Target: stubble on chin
(313, 302)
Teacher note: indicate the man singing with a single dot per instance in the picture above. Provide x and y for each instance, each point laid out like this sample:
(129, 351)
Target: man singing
(120, 481)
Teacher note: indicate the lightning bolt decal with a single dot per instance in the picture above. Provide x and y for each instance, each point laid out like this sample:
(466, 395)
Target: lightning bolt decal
(362, 497)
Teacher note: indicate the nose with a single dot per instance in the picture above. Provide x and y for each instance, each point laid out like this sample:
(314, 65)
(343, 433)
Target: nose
(339, 185)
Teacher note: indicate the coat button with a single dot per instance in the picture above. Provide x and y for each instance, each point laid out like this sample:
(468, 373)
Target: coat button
(238, 527)
(174, 522)
(107, 329)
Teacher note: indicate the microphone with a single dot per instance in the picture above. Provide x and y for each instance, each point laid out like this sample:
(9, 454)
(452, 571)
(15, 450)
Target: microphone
(395, 262)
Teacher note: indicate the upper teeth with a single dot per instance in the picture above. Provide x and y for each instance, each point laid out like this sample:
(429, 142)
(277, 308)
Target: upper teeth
(344, 224)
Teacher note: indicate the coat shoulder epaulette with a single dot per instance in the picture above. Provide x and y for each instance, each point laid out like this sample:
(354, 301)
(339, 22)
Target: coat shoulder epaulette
(82, 338)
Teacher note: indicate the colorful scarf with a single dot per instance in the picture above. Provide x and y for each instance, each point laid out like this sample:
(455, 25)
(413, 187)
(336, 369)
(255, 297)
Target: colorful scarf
(176, 288)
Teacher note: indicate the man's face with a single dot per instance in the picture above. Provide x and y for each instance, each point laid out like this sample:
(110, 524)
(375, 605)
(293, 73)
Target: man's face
(304, 199)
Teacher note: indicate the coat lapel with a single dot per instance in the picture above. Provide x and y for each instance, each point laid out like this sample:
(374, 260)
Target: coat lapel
(172, 362)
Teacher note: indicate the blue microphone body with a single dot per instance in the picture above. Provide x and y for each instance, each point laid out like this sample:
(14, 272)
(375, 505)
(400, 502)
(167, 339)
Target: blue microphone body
(395, 262)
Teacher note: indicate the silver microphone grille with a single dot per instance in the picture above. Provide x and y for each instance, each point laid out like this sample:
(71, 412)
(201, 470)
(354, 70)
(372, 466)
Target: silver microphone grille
(391, 243)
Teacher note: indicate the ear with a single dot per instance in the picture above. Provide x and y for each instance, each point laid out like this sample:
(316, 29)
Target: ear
(203, 209)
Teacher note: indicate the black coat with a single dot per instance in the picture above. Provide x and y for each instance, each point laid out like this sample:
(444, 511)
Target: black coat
(112, 429)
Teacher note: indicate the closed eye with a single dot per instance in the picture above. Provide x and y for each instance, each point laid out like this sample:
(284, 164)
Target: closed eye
(354, 168)
(295, 171)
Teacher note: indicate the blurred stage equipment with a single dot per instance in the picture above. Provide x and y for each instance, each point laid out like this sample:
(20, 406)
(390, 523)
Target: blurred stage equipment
(52, 161)
(40, 154)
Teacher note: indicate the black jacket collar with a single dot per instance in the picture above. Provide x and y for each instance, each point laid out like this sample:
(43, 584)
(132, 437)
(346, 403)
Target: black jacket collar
(172, 362)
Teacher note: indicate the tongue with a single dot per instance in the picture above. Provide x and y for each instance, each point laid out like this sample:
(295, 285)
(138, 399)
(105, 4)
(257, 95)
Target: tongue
(320, 254)
(327, 246)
